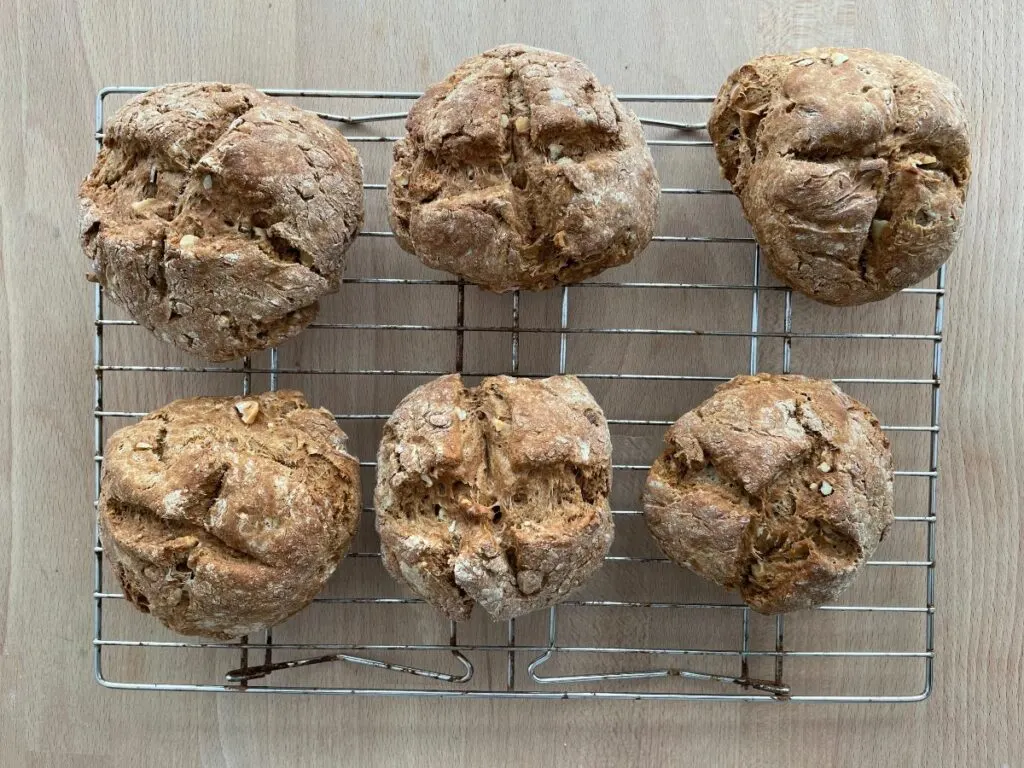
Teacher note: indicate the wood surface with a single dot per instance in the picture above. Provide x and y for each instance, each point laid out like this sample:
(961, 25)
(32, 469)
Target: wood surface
(55, 54)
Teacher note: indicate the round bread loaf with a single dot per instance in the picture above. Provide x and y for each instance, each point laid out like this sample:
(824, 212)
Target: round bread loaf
(496, 494)
(520, 170)
(218, 216)
(779, 487)
(851, 165)
(222, 516)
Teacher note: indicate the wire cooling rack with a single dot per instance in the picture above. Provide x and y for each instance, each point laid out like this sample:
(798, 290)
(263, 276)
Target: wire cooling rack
(643, 628)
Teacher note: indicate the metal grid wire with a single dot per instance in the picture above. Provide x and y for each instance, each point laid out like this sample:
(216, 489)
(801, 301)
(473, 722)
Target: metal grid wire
(516, 663)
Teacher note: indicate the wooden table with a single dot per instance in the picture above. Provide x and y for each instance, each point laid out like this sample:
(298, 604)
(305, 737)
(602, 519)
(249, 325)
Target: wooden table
(56, 54)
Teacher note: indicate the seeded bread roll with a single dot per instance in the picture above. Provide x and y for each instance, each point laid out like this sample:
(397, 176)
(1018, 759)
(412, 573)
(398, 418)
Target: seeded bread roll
(851, 165)
(779, 487)
(219, 216)
(495, 494)
(223, 516)
(520, 170)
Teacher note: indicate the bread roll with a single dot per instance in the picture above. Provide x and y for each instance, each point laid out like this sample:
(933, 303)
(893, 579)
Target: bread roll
(222, 516)
(219, 216)
(495, 494)
(852, 167)
(520, 170)
(779, 487)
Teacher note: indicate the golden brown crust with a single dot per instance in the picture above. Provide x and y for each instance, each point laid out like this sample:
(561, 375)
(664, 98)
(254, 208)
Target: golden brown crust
(779, 487)
(244, 228)
(496, 494)
(520, 170)
(852, 167)
(223, 516)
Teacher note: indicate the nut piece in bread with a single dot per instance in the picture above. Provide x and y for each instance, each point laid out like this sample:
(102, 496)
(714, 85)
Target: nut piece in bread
(779, 487)
(520, 170)
(219, 216)
(223, 516)
(851, 165)
(495, 494)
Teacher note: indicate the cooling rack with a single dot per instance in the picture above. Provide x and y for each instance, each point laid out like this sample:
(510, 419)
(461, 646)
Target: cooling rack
(650, 346)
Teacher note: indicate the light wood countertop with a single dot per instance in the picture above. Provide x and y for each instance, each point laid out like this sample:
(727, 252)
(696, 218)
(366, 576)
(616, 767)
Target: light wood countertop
(55, 55)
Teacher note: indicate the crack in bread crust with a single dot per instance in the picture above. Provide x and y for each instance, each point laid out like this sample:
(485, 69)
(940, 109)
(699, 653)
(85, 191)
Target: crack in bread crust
(496, 494)
(779, 487)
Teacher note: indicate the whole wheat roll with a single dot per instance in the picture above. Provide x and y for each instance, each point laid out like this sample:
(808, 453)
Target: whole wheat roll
(520, 170)
(218, 216)
(494, 495)
(779, 487)
(222, 516)
(852, 166)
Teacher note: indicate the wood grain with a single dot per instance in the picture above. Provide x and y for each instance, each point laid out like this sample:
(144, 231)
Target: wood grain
(55, 54)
